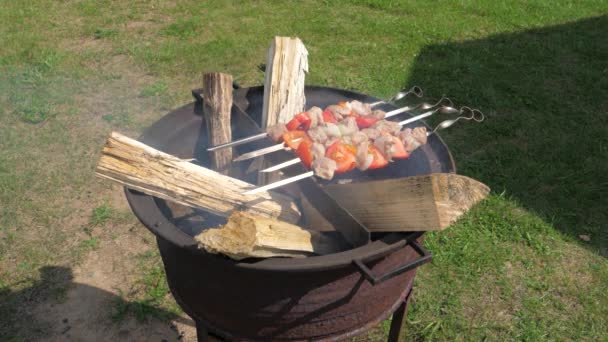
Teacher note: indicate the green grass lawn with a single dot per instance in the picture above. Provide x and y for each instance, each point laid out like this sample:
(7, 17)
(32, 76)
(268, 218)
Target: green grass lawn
(512, 269)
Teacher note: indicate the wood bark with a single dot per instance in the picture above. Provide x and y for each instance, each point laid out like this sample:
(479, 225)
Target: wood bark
(217, 96)
(420, 203)
(156, 173)
(246, 236)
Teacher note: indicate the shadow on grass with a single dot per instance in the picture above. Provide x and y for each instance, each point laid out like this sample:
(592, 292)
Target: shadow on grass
(18, 320)
(545, 141)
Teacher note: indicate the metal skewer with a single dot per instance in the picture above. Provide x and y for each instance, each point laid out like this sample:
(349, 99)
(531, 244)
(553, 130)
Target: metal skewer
(475, 115)
(282, 165)
(280, 183)
(281, 146)
(415, 90)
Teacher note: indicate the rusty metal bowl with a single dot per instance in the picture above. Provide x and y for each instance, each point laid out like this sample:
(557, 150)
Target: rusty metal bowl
(317, 298)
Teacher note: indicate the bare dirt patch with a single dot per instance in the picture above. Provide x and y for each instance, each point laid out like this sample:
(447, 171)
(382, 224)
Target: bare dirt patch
(65, 273)
(86, 312)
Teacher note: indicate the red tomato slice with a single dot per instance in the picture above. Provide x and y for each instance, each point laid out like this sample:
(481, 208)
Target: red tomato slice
(400, 152)
(293, 139)
(328, 116)
(304, 119)
(305, 153)
(365, 121)
(379, 160)
(343, 155)
(300, 121)
(293, 124)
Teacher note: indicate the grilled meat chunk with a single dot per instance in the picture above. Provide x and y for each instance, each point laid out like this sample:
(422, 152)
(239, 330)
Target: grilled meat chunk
(371, 133)
(318, 134)
(348, 126)
(317, 150)
(420, 134)
(364, 159)
(379, 114)
(339, 111)
(391, 127)
(324, 167)
(360, 108)
(275, 132)
(316, 116)
(331, 130)
(409, 142)
(386, 145)
(358, 138)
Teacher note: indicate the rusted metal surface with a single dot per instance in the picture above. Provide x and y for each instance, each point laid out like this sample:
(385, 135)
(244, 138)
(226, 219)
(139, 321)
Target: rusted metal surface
(276, 305)
(397, 333)
(316, 298)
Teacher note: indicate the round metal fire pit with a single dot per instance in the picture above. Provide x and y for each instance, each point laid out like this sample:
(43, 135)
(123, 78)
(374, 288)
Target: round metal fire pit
(317, 298)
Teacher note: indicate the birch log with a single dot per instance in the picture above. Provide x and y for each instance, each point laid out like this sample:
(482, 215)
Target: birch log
(140, 167)
(246, 236)
(217, 97)
(286, 68)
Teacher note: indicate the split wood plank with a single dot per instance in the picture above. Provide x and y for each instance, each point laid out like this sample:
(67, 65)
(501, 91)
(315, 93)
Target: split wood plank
(250, 236)
(143, 168)
(286, 68)
(419, 203)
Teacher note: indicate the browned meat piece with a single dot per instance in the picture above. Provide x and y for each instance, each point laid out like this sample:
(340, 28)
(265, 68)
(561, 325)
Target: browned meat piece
(317, 150)
(371, 133)
(316, 116)
(360, 108)
(275, 132)
(409, 142)
(358, 138)
(386, 145)
(420, 134)
(324, 167)
(364, 159)
(339, 111)
(348, 126)
(317, 134)
(379, 114)
(387, 126)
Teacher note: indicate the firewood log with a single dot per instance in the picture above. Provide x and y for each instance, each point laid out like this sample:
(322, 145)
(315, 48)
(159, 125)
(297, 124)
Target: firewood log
(250, 236)
(217, 96)
(419, 203)
(140, 167)
(286, 68)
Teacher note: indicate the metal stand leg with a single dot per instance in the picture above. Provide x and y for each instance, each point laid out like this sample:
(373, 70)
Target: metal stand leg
(202, 334)
(397, 333)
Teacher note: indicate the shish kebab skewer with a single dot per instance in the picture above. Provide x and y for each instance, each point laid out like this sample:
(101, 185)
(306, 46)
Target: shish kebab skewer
(445, 109)
(415, 90)
(442, 110)
(475, 115)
